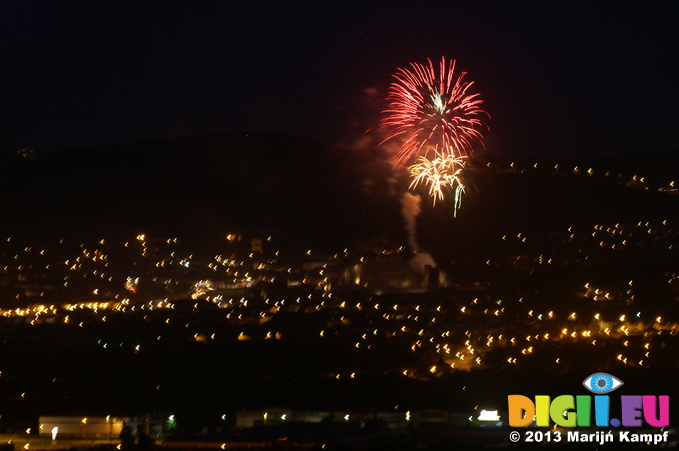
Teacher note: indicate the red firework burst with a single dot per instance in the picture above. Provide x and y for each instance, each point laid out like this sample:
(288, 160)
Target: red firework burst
(433, 112)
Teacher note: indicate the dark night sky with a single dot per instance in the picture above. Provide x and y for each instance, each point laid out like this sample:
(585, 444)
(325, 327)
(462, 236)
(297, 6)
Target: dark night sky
(558, 78)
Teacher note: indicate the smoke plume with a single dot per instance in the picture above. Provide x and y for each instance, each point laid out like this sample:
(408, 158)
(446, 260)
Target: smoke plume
(410, 208)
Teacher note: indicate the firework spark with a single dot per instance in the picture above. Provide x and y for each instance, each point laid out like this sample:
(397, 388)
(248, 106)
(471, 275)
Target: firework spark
(441, 172)
(433, 112)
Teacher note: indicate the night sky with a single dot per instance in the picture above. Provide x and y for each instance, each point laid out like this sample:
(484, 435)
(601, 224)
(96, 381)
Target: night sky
(558, 78)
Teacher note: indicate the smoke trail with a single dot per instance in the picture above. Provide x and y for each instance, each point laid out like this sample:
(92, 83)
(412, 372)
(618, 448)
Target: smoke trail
(410, 208)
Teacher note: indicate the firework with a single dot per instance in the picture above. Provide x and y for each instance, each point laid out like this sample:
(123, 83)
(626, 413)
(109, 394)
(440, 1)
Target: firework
(441, 172)
(433, 112)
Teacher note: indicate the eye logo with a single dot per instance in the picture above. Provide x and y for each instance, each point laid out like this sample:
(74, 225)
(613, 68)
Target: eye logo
(602, 383)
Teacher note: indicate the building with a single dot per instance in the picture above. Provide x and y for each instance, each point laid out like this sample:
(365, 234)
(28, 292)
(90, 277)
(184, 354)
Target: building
(154, 423)
(81, 426)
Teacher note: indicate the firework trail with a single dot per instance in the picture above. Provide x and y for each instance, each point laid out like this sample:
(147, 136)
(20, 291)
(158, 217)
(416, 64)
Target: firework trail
(433, 112)
(443, 171)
